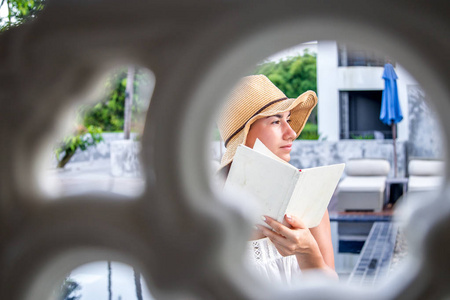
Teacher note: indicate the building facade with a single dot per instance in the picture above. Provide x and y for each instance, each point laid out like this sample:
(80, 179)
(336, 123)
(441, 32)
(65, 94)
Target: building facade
(350, 85)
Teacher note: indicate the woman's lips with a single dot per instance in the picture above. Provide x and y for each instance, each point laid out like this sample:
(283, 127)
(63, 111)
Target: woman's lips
(287, 147)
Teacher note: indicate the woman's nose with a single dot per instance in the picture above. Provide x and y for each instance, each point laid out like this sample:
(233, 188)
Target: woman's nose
(289, 133)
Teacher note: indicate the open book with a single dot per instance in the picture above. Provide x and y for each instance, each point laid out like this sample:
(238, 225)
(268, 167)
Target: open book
(280, 188)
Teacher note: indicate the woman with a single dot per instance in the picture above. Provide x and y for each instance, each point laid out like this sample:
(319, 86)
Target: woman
(257, 109)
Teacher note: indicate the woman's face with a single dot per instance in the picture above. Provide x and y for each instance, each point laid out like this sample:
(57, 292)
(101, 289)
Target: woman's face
(274, 132)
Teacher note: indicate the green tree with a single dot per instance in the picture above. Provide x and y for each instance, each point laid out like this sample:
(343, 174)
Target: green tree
(294, 76)
(109, 112)
(19, 11)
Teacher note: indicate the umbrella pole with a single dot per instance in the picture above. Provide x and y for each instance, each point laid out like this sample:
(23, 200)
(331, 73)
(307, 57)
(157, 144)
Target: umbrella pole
(395, 149)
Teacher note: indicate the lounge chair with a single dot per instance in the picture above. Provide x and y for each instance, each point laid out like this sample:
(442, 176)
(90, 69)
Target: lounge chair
(425, 175)
(363, 189)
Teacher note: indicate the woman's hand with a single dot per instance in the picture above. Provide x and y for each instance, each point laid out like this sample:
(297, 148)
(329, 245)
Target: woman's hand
(294, 238)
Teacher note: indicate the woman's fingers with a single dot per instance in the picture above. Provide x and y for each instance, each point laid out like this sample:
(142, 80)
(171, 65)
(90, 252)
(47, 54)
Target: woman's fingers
(297, 239)
(294, 221)
(294, 238)
(277, 226)
(282, 244)
(284, 238)
(272, 235)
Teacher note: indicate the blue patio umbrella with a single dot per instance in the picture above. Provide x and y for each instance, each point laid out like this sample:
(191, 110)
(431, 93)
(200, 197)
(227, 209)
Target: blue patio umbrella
(391, 113)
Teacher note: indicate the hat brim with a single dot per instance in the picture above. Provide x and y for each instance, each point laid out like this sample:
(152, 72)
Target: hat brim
(300, 108)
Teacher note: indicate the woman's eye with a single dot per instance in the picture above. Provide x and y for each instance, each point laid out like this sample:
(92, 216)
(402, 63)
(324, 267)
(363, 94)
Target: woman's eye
(276, 122)
(288, 121)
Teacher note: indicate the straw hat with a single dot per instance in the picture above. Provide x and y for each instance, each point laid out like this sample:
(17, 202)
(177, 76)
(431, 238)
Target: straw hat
(253, 98)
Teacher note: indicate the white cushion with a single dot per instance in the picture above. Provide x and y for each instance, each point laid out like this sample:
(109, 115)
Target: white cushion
(367, 167)
(424, 167)
(362, 184)
(424, 183)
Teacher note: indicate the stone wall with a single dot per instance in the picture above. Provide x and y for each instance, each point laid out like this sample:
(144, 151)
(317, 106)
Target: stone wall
(101, 150)
(308, 154)
(425, 134)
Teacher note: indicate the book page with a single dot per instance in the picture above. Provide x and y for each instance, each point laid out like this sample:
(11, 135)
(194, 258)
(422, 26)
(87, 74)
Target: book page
(261, 148)
(269, 182)
(313, 193)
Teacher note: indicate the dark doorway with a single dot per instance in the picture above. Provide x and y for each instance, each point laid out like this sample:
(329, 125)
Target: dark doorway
(360, 111)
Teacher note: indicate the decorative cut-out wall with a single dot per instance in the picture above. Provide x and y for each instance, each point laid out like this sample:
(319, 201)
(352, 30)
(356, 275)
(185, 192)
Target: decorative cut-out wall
(183, 240)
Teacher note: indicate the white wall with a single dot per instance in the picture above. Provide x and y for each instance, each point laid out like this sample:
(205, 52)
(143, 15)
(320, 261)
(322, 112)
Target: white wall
(360, 78)
(327, 90)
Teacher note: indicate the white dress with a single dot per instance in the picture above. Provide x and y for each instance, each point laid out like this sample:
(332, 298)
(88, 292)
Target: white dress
(264, 260)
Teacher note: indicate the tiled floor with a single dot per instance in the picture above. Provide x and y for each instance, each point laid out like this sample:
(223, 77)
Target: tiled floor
(89, 177)
(376, 255)
(370, 265)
